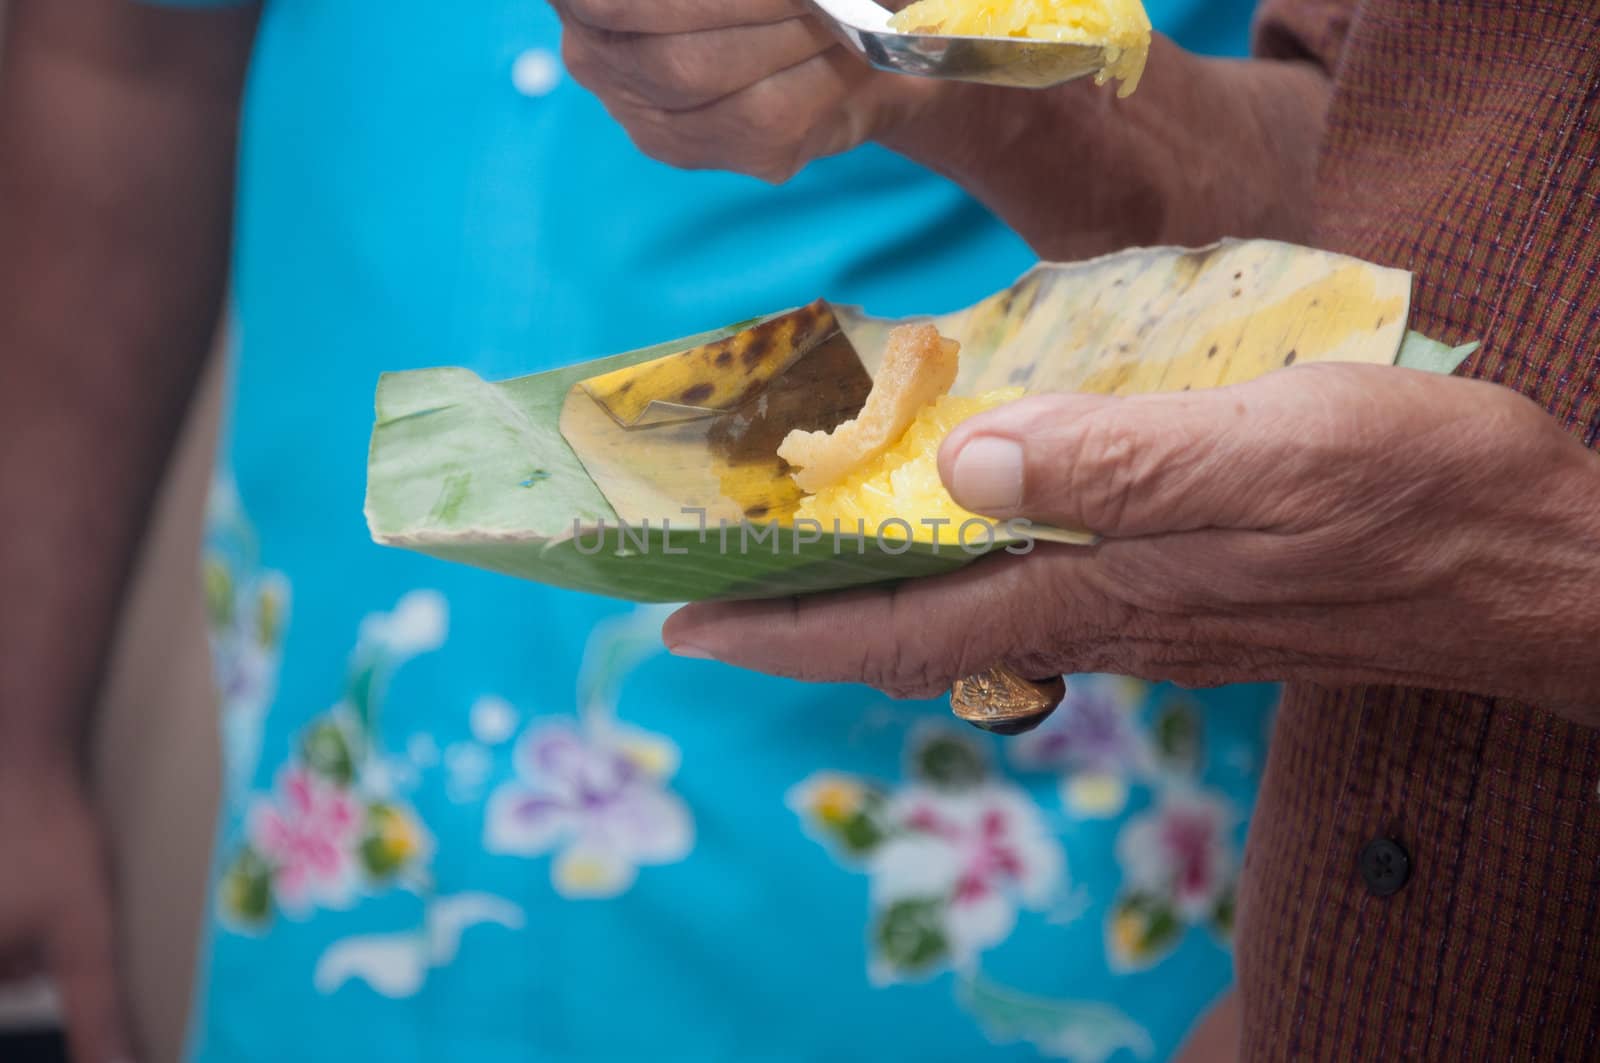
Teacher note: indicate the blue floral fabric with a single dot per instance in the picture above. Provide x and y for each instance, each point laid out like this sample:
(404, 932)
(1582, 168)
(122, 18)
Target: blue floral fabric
(470, 818)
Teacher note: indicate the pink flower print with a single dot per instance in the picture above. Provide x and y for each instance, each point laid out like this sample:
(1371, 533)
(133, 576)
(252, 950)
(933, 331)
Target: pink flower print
(308, 834)
(985, 851)
(1190, 837)
(1182, 851)
(988, 858)
(599, 799)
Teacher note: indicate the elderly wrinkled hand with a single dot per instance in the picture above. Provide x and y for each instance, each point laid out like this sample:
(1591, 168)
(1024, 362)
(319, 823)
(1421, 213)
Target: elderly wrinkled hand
(755, 86)
(1327, 523)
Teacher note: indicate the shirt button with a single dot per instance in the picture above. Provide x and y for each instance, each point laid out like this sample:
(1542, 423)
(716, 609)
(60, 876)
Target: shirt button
(536, 72)
(1385, 866)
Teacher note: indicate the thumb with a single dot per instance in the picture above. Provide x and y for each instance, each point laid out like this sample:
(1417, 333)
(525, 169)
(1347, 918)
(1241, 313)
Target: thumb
(81, 955)
(1118, 467)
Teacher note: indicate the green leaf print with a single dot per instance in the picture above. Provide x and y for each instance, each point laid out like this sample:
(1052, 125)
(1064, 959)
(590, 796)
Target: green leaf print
(1176, 735)
(949, 762)
(860, 834)
(616, 649)
(1084, 1031)
(269, 616)
(218, 583)
(863, 830)
(362, 692)
(1143, 928)
(1222, 914)
(326, 751)
(845, 812)
(910, 936)
(391, 841)
(246, 889)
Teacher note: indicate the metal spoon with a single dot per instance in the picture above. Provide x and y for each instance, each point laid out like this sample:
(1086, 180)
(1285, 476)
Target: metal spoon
(1014, 62)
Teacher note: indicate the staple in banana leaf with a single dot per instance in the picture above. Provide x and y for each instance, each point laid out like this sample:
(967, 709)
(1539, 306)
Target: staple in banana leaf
(653, 475)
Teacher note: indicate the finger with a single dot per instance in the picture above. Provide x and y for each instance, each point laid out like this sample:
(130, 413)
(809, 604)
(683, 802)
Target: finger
(685, 71)
(817, 108)
(678, 16)
(1142, 465)
(82, 963)
(912, 639)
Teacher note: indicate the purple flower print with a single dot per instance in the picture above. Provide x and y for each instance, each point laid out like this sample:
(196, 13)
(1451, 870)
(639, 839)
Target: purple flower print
(598, 798)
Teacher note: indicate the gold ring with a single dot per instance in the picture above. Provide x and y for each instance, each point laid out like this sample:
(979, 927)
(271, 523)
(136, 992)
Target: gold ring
(1005, 702)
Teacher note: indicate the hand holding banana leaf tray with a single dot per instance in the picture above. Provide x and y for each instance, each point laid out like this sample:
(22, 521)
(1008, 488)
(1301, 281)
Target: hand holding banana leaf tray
(655, 475)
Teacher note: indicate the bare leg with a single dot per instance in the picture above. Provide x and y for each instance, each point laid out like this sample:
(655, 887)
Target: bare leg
(157, 750)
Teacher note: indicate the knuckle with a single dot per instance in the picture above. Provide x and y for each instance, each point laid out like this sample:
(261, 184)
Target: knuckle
(656, 141)
(1195, 573)
(580, 60)
(740, 144)
(675, 75)
(903, 672)
(770, 108)
(659, 135)
(905, 665)
(1036, 664)
(774, 171)
(1106, 469)
(601, 14)
(1034, 626)
(781, 130)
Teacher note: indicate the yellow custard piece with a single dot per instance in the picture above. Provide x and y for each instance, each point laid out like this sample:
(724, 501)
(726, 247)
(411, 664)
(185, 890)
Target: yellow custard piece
(1121, 27)
(902, 483)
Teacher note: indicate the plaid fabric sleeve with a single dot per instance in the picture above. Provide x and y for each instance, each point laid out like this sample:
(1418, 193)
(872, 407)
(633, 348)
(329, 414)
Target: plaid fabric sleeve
(1462, 142)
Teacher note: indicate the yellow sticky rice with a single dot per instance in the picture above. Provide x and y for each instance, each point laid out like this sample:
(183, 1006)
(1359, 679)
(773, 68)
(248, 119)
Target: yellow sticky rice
(1121, 27)
(903, 484)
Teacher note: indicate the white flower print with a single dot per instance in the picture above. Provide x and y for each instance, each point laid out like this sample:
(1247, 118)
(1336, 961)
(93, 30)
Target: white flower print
(984, 849)
(1183, 849)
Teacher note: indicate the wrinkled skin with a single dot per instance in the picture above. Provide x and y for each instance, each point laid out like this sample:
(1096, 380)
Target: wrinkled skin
(1330, 523)
(760, 87)
(756, 86)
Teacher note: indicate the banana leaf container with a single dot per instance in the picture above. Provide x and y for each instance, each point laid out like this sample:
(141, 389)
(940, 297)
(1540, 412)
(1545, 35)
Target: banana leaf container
(652, 475)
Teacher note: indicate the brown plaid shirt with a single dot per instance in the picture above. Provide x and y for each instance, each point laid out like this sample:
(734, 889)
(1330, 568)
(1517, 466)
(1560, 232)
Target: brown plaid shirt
(1464, 144)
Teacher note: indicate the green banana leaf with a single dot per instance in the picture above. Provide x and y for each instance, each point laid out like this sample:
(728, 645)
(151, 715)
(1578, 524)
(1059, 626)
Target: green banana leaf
(481, 473)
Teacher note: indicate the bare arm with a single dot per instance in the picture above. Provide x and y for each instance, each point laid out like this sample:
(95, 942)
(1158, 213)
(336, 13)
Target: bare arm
(1205, 148)
(117, 127)
(116, 172)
